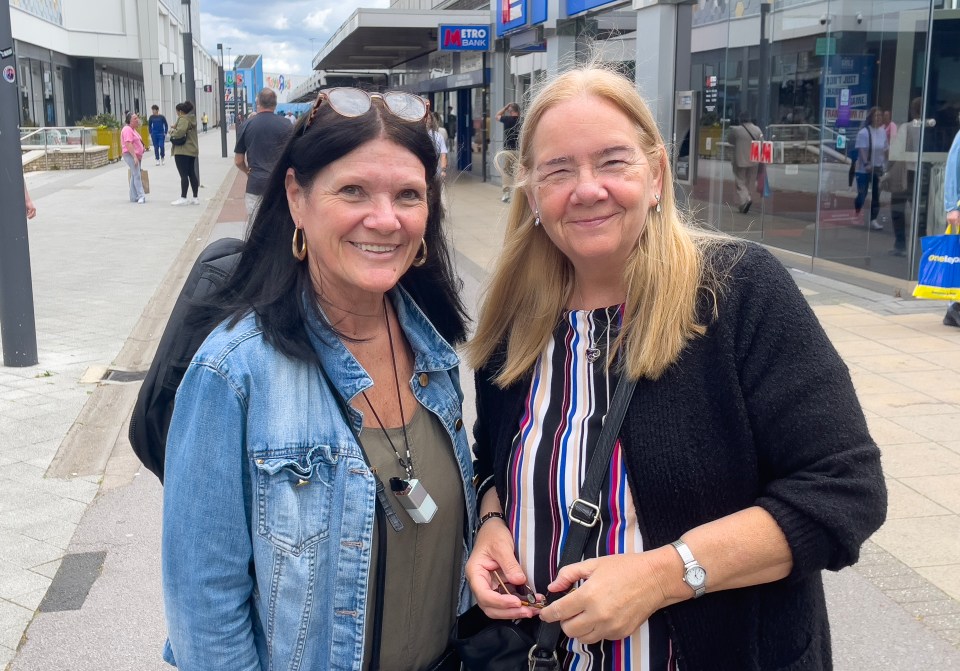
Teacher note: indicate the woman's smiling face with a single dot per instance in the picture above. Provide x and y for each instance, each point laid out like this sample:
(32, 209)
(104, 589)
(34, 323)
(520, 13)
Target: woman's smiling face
(363, 217)
(591, 182)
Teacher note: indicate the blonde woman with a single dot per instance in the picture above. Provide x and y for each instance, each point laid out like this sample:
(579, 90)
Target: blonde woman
(743, 467)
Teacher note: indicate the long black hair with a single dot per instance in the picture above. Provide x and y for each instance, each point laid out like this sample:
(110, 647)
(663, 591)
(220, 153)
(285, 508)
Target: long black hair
(272, 283)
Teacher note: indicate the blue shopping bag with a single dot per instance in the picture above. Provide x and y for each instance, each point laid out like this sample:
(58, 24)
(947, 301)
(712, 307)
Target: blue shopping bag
(939, 276)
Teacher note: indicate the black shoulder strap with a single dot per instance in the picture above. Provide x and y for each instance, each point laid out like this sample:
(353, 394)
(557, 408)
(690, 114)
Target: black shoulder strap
(584, 514)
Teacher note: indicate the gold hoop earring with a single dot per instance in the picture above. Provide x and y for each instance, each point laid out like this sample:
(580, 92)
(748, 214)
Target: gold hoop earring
(422, 257)
(299, 246)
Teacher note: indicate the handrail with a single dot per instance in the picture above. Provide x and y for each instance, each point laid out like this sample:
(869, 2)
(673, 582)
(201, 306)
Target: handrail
(58, 138)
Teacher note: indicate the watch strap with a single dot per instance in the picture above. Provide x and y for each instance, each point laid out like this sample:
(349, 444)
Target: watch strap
(684, 552)
(689, 562)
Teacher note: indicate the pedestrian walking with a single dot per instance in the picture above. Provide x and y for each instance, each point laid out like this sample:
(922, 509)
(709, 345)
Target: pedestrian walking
(158, 127)
(183, 137)
(133, 155)
(260, 140)
(205, 119)
(742, 136)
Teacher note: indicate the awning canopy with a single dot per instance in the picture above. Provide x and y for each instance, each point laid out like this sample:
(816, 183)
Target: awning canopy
(381, 39)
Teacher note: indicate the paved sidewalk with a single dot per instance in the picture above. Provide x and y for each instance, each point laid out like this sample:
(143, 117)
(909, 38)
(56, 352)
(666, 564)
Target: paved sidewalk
(103, 271)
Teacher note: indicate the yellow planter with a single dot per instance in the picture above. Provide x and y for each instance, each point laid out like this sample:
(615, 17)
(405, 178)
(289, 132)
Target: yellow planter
(110, 138)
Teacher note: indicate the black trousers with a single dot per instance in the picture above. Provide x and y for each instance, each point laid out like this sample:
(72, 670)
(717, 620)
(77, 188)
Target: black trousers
(188, 174)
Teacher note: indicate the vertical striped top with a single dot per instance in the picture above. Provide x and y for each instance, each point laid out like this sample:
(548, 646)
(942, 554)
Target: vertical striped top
(563, 413)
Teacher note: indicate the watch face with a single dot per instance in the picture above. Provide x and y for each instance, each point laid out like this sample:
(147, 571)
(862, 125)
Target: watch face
(696, 576)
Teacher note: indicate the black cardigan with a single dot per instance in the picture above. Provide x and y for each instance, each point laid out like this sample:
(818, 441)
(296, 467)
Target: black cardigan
(759, 411)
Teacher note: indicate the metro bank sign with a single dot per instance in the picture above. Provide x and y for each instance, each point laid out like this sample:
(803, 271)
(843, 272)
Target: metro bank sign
(464, 38)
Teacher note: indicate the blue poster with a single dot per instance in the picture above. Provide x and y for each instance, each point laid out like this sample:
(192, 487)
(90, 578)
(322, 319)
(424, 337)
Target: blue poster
(848, 90)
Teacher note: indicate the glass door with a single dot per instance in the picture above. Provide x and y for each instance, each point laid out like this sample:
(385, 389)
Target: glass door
(874, 65)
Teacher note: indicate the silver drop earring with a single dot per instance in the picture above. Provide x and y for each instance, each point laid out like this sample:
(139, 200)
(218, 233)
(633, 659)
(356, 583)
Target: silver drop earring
(658, 208)
(536, 221)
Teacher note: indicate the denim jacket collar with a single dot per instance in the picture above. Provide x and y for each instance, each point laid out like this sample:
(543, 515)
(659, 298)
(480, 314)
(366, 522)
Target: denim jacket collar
(430, 351)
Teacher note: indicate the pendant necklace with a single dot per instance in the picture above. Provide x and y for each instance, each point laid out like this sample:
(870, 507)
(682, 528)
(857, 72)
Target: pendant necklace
(411, 494)
(593, 351)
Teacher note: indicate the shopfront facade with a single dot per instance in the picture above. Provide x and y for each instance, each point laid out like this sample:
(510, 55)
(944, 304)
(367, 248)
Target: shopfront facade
(810, 83)
(807, 72)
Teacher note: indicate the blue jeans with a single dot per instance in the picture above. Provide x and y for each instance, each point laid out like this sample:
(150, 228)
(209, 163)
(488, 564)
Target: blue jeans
(863, 185)
(159, 151)
(136, 183)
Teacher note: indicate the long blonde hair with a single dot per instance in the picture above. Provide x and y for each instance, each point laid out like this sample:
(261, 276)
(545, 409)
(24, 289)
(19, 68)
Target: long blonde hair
(532, 280)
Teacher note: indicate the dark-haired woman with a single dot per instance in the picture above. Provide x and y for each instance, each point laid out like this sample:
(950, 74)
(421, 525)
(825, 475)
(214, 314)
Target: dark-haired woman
(330, 374)
(185, 152)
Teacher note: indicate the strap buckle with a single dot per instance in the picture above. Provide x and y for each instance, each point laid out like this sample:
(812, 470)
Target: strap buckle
(537, 660)
(584, 513)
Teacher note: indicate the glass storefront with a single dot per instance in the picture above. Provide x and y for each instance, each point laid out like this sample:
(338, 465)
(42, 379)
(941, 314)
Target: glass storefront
(812, 82)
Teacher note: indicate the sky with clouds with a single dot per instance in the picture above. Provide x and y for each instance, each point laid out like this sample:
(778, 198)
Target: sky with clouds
(288, 33)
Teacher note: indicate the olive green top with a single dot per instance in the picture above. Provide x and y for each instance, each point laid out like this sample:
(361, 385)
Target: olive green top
(424, 560)
(186, 125)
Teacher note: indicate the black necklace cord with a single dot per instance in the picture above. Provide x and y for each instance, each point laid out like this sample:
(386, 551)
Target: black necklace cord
(406, 464)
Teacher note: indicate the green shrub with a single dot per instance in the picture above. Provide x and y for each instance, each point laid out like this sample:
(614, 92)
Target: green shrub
(107, 120)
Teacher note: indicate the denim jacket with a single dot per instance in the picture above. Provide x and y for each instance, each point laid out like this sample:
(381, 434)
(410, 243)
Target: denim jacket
(269, 505)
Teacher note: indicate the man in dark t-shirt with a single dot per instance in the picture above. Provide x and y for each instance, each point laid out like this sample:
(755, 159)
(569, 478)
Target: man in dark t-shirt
(259, 142)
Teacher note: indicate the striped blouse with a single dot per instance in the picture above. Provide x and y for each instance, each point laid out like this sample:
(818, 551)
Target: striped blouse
(563, 413)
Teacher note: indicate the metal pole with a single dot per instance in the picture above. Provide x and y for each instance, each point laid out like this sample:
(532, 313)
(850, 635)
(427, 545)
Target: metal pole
(763, 94)
(18, 330)
(221, 91)
(190, 82)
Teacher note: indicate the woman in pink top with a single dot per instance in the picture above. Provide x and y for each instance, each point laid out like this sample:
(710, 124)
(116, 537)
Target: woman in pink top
(132, 154)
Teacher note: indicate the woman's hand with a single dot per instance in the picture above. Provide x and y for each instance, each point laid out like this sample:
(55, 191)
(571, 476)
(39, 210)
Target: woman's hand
(619, 593)
(494, 551)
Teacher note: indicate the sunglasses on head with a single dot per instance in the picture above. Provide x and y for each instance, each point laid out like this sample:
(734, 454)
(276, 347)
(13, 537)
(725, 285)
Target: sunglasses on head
(350, 102)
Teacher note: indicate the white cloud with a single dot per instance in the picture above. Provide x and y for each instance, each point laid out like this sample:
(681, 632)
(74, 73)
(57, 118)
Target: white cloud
(281, 22)
(318, 20)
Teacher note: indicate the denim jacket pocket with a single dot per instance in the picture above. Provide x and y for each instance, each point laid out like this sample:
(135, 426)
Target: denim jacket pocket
(294, 492)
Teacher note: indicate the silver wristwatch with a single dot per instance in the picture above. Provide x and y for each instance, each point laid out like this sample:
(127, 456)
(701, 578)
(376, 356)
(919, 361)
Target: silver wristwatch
(693, 574)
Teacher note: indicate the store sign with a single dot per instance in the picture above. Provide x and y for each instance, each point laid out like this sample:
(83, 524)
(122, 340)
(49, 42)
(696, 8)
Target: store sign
(464, 38)
(826, 46)
(511, 15)
(579, 6)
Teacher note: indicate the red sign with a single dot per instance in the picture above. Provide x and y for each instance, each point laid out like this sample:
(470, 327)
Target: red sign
(766, 152)
(755, 151)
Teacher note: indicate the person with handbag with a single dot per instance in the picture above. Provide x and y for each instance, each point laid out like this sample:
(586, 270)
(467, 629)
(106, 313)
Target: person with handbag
(745, 170)
(736, 468)
(318, 498)
(185, 149)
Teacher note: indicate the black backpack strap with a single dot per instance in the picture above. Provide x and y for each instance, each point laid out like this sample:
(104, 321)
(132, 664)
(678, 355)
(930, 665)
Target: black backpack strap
(584, 514)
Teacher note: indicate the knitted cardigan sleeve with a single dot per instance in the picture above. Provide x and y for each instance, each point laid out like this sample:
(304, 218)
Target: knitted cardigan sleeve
(822, 475)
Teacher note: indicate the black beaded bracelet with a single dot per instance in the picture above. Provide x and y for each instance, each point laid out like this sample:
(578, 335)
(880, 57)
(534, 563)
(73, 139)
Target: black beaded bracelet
(490, 516)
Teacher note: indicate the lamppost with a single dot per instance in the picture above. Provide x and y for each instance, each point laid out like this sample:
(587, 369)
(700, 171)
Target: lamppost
(191, 83)
(18, 330)
(221, 91)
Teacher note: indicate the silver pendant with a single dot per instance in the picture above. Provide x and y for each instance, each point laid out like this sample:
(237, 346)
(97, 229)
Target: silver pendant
(415, 499)
(593, 353)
